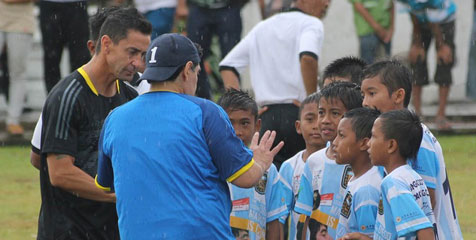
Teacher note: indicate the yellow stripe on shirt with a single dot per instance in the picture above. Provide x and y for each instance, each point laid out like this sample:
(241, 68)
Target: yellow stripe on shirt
(325, 218)
(241, 171)
(108, 189)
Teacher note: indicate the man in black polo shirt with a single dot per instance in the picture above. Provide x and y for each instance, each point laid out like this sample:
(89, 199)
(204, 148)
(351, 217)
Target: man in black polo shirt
(72, 207)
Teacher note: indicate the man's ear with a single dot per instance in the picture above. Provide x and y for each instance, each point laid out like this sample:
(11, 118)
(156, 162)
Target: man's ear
(363, 144)
(91, 47)
(186, 70)
(398, 96)
(297, 124)
(106, 43)
(258, 125)
(392, 146)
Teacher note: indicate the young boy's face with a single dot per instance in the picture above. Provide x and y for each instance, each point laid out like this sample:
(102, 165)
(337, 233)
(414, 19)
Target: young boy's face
(308, 126)
(244, 123)
(330, 80)
(330, 113)
(345, 145)
(377, 144)
(376, 95)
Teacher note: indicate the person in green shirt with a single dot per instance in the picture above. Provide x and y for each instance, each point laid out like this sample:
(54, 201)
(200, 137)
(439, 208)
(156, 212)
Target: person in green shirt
(374, 26)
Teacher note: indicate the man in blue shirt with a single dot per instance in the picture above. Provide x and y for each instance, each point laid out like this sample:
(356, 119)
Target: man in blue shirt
(168, 155)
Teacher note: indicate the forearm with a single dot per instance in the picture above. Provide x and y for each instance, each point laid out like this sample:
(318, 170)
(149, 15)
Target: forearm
(250, 177)
(65, 175)
(273, 230)
(426, 234)
(359, 7)
(309, 73)
(35, 160)
(230, 79)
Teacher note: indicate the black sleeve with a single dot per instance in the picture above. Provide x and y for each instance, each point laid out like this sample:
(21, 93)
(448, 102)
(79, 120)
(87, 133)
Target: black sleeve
(60, 122)
(311, 54)
(231, 69)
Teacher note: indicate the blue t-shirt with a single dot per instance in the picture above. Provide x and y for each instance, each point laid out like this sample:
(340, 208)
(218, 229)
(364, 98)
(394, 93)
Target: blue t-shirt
(405, 205)
(168, 157)
(322, 190)
(437, 11)
(256, 206)
(359, 210)
(430, 164)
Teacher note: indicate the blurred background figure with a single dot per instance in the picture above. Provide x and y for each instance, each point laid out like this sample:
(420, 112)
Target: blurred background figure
(16, 31)
(63, 23)
(471, 79)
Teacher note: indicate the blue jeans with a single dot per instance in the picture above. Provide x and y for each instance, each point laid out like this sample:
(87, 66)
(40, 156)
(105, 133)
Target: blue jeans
(471, 79)
(369, 46)
(162, 21)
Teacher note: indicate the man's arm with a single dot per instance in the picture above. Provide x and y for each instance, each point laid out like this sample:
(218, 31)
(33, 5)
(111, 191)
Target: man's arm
(64, 175)
(273, 230)
(309, 72)
(263, 157)
(379, 30)
(35, 159)
(230, 79)
(426, 234)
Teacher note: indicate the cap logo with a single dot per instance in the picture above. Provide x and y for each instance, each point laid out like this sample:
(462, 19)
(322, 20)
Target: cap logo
(152, 55)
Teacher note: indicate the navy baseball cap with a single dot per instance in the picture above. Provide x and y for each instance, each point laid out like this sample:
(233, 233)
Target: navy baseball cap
(166, 54)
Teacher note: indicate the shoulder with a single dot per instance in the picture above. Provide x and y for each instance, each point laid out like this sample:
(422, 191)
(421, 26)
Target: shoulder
(206, 106)
(67, 91)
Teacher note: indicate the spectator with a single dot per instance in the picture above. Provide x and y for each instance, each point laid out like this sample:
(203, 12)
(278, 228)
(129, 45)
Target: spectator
(282, 53)
(471, 79)
(16, 30)
(432, 19)
(63, 23)
(374, 25)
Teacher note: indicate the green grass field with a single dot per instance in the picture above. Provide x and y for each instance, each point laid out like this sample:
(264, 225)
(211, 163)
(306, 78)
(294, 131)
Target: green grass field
(20, 190)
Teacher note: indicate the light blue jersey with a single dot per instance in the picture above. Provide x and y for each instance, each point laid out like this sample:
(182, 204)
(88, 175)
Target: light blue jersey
(437, 11)
(256, 206)
(359, 210)
(405, 205)
(322, 190)
(291, 171)
(431, 166)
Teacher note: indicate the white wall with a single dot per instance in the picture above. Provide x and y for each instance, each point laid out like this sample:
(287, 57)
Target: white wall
(341, 40)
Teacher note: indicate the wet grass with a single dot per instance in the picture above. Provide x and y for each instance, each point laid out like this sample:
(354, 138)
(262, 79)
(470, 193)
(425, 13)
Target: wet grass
(20, 191)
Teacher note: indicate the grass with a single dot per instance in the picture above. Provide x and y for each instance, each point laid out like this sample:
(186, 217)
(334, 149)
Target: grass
(20, 191)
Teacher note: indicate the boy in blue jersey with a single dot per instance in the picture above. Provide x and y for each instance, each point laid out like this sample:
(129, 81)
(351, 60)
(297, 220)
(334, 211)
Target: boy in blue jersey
(386, 86)
(405, 208)
(345, 69)
(291, 170)
(323, 183)
(359, 209)
(255, 210)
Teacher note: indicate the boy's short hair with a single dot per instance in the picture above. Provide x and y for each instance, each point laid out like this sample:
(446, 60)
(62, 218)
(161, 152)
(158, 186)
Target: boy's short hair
(120, 21)
(313, 98)
(96, 21)
(349, 66)
(238, 100)
(362, 120)
(405, 127)
(394, 75)
(348, 93)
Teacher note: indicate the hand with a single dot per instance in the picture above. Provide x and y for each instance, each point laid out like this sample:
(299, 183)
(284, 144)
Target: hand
(355, 236)
(444, 54)
(388, 36)
(417, 53)
(381, 33)
(262, 152)
(262, 110)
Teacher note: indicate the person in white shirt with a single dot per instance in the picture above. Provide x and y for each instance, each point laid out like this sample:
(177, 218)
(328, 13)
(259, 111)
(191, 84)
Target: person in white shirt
(282, 53)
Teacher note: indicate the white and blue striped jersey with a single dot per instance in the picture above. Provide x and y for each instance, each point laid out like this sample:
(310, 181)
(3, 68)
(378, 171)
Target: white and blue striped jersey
(322, 190)
(430, 164)
(290, 173)
(405, 206)
(436, 11)
(359, 210)
(256, 206)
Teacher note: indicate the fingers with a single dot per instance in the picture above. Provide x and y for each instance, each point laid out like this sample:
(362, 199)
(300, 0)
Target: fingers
(254, 141)
(262, 110)
(270, 140)
(276, 149)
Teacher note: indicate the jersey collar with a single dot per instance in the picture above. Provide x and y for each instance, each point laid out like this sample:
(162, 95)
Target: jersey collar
(90, 84)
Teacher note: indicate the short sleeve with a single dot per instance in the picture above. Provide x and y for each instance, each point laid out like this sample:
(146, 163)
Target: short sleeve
(311, 39)
(105, 175)
(426, 165)
(408, 216)
(228, 153)
(275, 203)
(60, 121)
(305, 195)
(286, 175)
(239, 57)
(36, 139)
(365, 208)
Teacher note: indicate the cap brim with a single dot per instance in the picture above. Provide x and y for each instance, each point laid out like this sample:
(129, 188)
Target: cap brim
(158, 74)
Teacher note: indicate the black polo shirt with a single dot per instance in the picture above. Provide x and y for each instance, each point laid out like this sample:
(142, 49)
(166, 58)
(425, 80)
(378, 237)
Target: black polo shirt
(73, 116)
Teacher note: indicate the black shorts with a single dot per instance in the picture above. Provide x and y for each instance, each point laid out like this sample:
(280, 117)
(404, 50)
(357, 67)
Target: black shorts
(443, 75)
